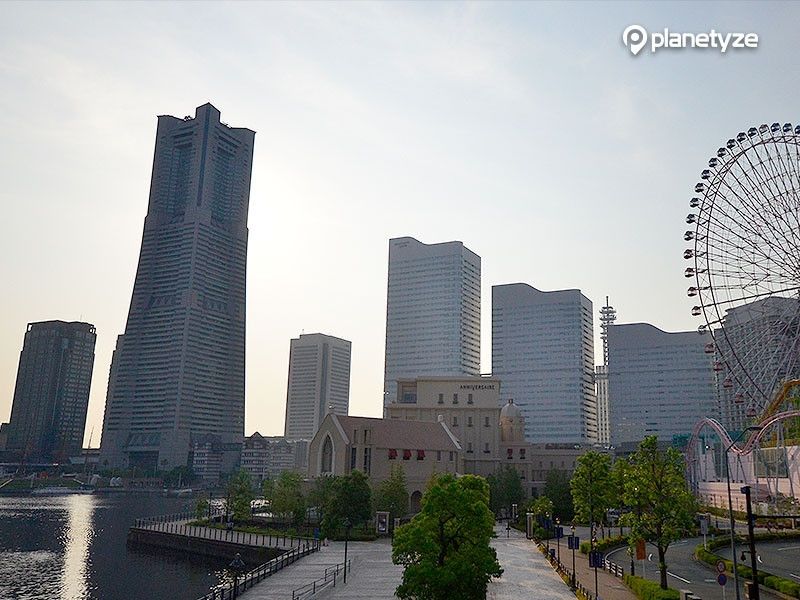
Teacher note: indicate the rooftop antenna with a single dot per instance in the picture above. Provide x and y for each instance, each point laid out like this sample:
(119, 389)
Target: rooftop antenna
(607, 318)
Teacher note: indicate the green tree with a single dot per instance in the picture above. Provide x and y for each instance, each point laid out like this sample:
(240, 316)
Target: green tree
(240, 495)
(505, 489)
(288, 500)
(541, 506)
(350, 500)
(663, 508)
(591, 487)
(445, 548)
(201, 508)
(391, 494)
(556, 487)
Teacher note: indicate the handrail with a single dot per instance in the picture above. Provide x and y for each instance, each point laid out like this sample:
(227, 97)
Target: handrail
(329, 578)
(232, 590)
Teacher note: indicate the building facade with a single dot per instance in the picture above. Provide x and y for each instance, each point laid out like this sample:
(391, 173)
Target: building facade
(319, 382)
(267, 457)
(177, 372)
(375, 446)
(659, 383)
(491, 436)
(543, 351)
(433, 311)
(48, 414)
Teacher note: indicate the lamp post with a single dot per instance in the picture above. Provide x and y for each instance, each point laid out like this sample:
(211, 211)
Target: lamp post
(346, 536)
(558, 539)
(730, 507)
(573, 554)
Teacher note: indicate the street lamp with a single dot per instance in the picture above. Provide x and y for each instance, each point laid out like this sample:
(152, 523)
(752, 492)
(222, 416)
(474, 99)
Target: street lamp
(573, 554)
(730, 506)
(346, 536)
(558, 539)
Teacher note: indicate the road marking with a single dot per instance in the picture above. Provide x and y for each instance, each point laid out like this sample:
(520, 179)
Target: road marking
(788, 548)
(710, 580)
(795, 576)
(682, 579)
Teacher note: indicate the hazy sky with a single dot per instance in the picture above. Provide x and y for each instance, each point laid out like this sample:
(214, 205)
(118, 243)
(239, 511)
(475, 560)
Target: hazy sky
(527, 131)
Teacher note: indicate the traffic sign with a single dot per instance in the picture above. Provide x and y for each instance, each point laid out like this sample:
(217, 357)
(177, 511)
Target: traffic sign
(559, 532)
(720, 566)
(573, 542)
(722, 579)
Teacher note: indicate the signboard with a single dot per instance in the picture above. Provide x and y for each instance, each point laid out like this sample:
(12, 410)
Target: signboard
(722, 579)
(720, 566)
(596, 559)
(641, 553)
(704, 525)
(382, 522)
(573, 542)
(559, 532)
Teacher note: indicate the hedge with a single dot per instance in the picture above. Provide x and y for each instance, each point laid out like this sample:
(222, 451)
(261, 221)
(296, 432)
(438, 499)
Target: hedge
(786, 586)
(605, 544)
(649, 590)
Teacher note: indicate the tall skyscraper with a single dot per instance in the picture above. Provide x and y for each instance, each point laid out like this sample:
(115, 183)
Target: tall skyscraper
(659, 383)
(543, 352)
(319, 377)
(48, 415)
(178, 370)
(433, 312)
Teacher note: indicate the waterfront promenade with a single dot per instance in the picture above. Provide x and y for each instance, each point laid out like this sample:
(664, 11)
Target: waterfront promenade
(527, 573)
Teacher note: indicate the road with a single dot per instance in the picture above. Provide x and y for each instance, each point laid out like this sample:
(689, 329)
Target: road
(780, 558)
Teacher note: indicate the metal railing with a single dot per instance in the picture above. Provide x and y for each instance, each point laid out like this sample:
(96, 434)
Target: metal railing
(329, 578)
(249, 579)
(177, 525)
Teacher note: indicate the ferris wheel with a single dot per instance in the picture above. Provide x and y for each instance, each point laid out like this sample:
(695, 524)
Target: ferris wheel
(746, 256)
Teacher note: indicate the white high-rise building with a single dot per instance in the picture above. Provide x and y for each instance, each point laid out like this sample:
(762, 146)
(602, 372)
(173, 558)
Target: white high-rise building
(433, 312)
(607, 317)
(543, 352)
(659, 383)
(319, 379)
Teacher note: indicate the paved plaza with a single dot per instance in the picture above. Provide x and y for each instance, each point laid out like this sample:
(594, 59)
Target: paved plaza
(527, 575)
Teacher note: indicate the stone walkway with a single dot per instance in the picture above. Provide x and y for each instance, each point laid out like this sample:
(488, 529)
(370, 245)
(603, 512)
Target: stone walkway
(527, 574)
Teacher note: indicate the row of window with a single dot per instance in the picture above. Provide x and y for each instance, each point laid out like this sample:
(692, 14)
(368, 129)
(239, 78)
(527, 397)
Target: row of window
(469, 421)
(455, 399)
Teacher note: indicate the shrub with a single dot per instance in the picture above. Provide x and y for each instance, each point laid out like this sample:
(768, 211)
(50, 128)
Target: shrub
(605, 544)
(649, 590)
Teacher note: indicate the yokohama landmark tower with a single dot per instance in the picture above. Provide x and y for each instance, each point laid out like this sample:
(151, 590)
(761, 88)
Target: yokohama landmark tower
(177, 374)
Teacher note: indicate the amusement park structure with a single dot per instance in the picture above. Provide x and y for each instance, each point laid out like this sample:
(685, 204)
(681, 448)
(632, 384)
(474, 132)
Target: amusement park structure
(745, 274)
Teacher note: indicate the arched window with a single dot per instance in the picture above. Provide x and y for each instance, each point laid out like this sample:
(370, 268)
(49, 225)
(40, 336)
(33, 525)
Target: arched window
(327, 456)
(416, 502)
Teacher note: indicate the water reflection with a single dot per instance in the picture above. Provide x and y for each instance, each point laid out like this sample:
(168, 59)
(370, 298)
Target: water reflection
(77, 537)
(74, 548)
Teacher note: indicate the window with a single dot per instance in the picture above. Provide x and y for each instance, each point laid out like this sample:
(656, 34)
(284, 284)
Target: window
(420, 454)
(451, 456)
(486, 421)
(441, 398)
(455, 421)
(486, 448)
(455, 398)
(392, 454)
(469, 399)
(439, 455)
(510, 453)
(406, 454)
(469, 421)
(327, 456)
(469, 447)
(352, 458)
(367, 460)
(522, 453)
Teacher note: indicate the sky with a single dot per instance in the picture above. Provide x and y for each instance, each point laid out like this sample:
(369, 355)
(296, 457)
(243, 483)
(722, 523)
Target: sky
(526, 130)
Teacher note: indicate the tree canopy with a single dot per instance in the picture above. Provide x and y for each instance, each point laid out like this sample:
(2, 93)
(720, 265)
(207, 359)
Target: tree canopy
(240, 495)
(350, 500)
(445, 548)
(591, 487)
(556, 487)
(391, 495)
(505, 489)
(662, 507)
(288, 499)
